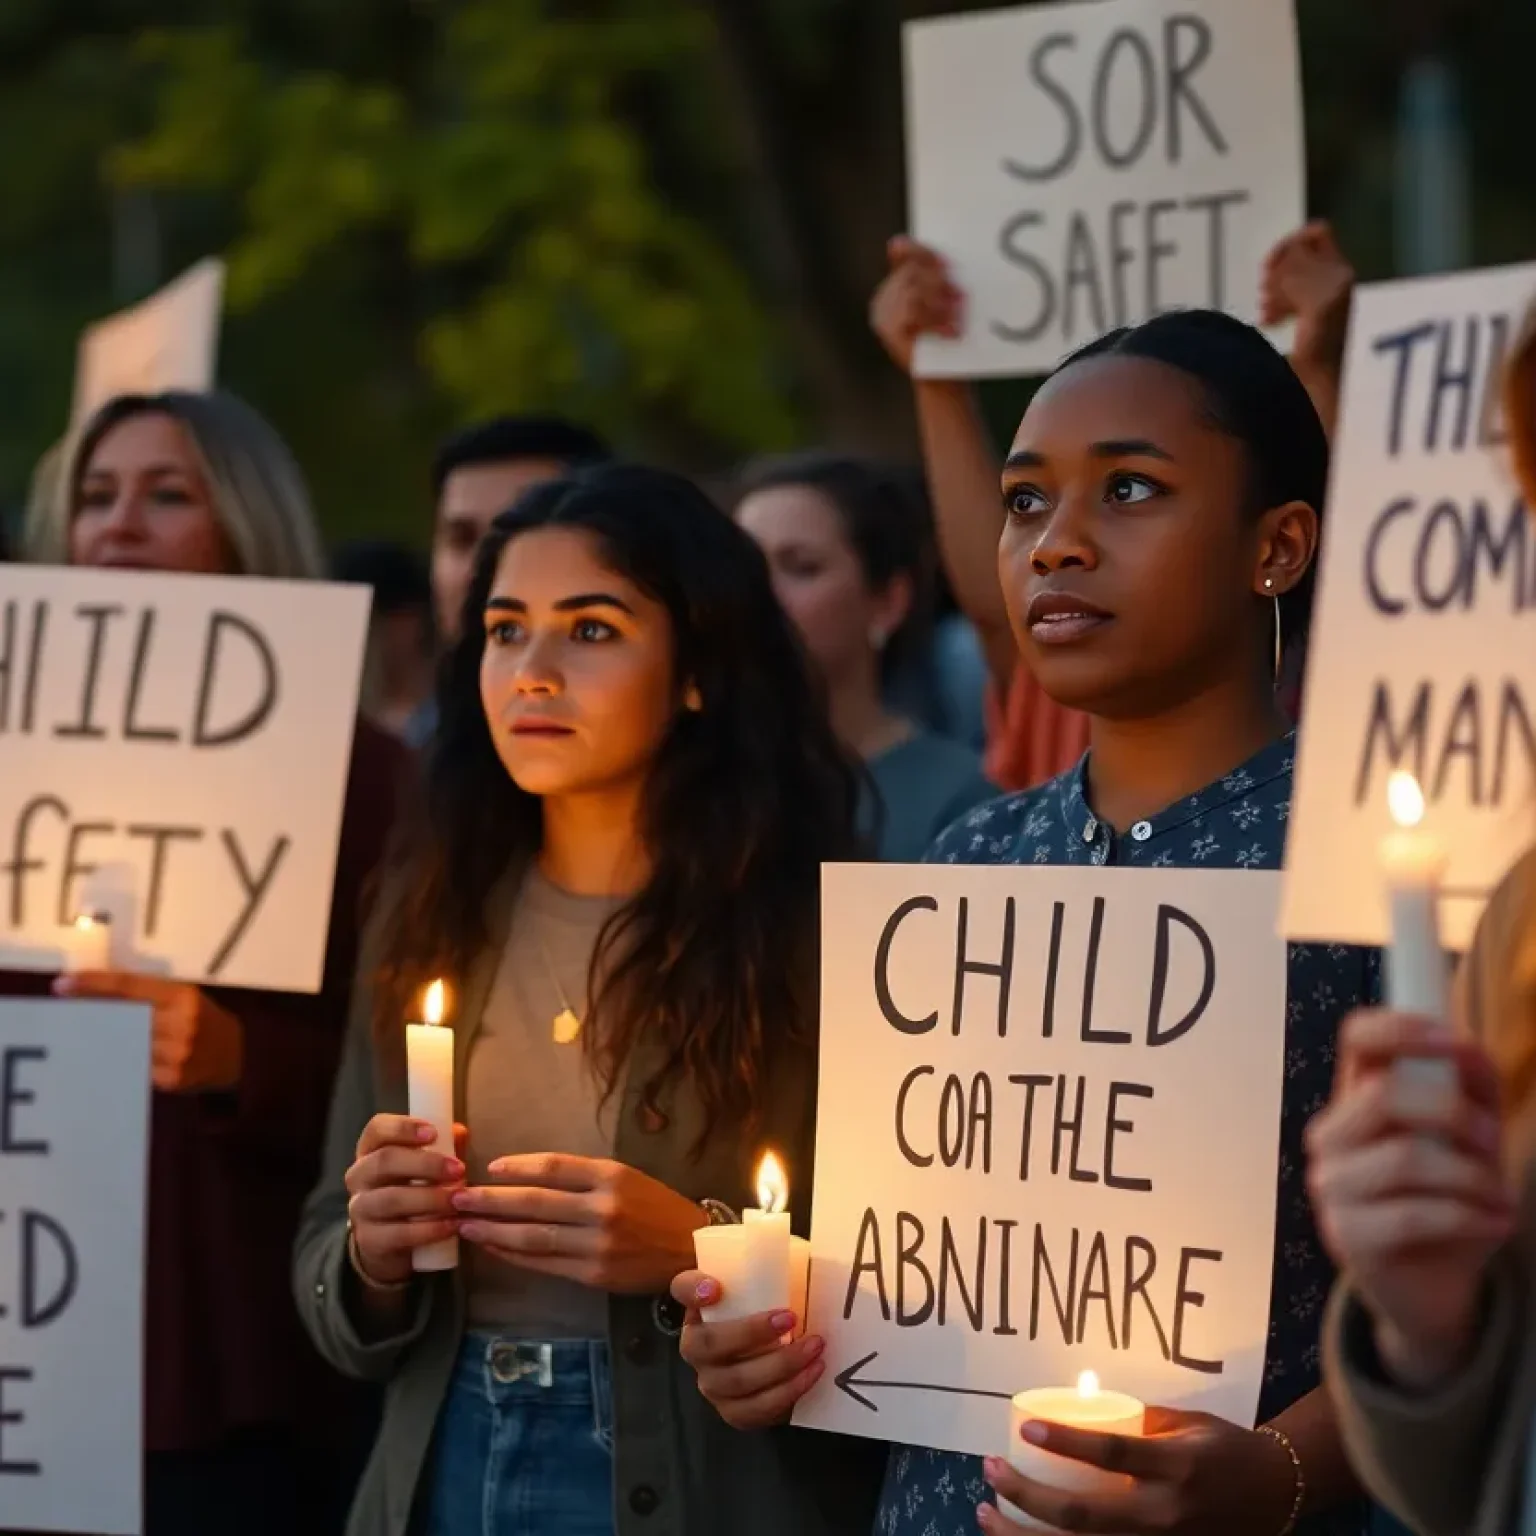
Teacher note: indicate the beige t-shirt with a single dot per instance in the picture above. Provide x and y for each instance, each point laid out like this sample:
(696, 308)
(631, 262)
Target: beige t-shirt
(526, 1092)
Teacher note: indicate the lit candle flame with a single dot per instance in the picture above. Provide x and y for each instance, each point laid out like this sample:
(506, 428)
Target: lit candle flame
(1088, 1384)
(432, 1004)
(1405, 799)
(85, 922)
(772, 1184)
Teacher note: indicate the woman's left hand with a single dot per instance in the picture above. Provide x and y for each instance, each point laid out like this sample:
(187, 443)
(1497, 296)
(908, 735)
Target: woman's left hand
(592, 1220)
(198, 1047)
(1191, 1474)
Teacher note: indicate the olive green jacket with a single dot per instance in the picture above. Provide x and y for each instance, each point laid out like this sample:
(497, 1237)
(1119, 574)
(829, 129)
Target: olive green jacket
(678, 1469)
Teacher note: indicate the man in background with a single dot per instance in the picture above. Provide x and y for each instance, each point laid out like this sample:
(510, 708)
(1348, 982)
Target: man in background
(477, 474)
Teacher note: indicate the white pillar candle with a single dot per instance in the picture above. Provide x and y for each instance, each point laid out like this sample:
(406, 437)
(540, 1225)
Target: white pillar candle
(757, 1264)
(1085, 1406)
(1418, 975)
(429, 1071)
(89, 945)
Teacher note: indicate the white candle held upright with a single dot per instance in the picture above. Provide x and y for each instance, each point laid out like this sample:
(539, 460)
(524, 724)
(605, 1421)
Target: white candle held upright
(89, 947)
(1418, 975)
(429, 1069)
(761, 1265)
(1085, 1406)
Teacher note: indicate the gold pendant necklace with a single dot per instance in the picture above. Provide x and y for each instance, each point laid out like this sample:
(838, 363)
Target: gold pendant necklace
(565, 1027)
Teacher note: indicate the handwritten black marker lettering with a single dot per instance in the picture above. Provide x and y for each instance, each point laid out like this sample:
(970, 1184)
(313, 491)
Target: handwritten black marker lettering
(160, 839)
(1001, 968)
(1185, 1298)
(76, 868)
(1137, 1277)
(204, 734)
(972, 1298)
(1121, 41)
(1405, 344)
(14, 1416)
(893, 1015)
(139, 668)
(1073, 141)
(1453, 379)
(867, 1259)
(98, 616)
(1157, 1033)
(1195, 31)
(909, 1246)
(1095, 1287)
(21, 864)
(37, 1311)
(255, 887)
(917, 1159)
(1113, 1125)
(1404, 748)
(13, 1096)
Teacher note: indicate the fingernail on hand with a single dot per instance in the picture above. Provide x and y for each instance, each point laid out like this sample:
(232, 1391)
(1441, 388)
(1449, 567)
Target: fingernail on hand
(813, 1347)
(463, 1200)
(707, 1291)
(426, 1133)
(782, 1322)
(452, 1168)
(471, 1231)
(1035, 1432)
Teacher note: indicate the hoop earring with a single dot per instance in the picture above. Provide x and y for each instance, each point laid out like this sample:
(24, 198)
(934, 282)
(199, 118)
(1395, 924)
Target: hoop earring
(1269, 586)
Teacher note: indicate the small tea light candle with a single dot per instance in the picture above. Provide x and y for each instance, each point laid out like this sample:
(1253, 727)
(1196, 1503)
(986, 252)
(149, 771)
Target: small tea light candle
(1086, 1406)
(429, 1070)
(761, 1265)
(89, 947)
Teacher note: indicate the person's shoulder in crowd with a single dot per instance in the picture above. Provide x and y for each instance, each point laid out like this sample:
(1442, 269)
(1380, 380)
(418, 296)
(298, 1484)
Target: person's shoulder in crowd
(990, 832)
(925, 783)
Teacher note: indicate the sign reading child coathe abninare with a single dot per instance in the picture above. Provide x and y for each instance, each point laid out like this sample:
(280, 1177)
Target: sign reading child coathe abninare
(1421, 654)
(1047, 1141)
(74, 1139)
(175, 754)
(1088, 165)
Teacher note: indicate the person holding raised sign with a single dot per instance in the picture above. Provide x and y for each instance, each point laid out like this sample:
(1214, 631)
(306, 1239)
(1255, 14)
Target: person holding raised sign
(1428, 1202)
(630, 794)
(1162, 509)
(245, 1429)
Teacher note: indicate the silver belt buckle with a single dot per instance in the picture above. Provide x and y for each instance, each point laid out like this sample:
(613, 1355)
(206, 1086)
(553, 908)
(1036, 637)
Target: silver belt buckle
(517, 1362)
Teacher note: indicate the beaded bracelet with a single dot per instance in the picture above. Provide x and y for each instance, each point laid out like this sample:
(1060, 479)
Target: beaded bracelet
(1283, 1440)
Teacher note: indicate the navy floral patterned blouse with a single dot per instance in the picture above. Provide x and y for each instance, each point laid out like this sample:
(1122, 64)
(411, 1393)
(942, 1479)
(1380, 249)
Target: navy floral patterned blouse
(1239, 822)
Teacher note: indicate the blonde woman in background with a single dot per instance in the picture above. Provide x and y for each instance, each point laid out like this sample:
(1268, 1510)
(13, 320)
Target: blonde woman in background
(1431, 1214)
(245, 1429)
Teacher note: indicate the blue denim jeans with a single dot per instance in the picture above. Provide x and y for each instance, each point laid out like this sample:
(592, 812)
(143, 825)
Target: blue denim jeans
(524, 1443)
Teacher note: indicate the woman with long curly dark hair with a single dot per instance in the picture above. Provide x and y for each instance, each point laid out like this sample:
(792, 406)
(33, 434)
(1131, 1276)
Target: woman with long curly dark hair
(629, 798)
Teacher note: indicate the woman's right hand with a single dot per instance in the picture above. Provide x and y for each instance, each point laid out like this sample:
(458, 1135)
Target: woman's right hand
(1408, 1188)
(916, 299)
(746, 1371)
(401, 1195)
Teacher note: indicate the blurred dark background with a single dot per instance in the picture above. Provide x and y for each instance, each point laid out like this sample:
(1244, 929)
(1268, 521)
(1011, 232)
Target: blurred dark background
(662, 216)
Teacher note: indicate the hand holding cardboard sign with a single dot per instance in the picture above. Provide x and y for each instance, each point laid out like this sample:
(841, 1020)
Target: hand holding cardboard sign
(199, 1047)
(916, 299)
(1192, 1474)
(1409, 1190)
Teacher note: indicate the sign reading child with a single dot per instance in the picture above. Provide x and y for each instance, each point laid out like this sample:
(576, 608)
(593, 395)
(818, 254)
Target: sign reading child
(1422, 653)
(176, 752)
(72, 1170)
(1047, 1141)
(1090, 165)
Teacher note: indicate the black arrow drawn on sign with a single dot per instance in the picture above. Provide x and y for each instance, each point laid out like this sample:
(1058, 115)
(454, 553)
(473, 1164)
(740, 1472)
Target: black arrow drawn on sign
(850, 1379)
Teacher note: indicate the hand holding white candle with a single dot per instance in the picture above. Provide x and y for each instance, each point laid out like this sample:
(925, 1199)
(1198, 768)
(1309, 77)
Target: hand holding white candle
(429, 1069)
(760, 1265)
(1085, 1406)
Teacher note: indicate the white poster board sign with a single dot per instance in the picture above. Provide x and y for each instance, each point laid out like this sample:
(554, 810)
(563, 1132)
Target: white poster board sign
(170, 341)
(1421, 653)
(1027, 1078)
(74, 1128)
(176, 751)
(1088, 165)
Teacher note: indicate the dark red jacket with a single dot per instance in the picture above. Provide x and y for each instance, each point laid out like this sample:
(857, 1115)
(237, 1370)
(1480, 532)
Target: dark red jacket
(224, 1350)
